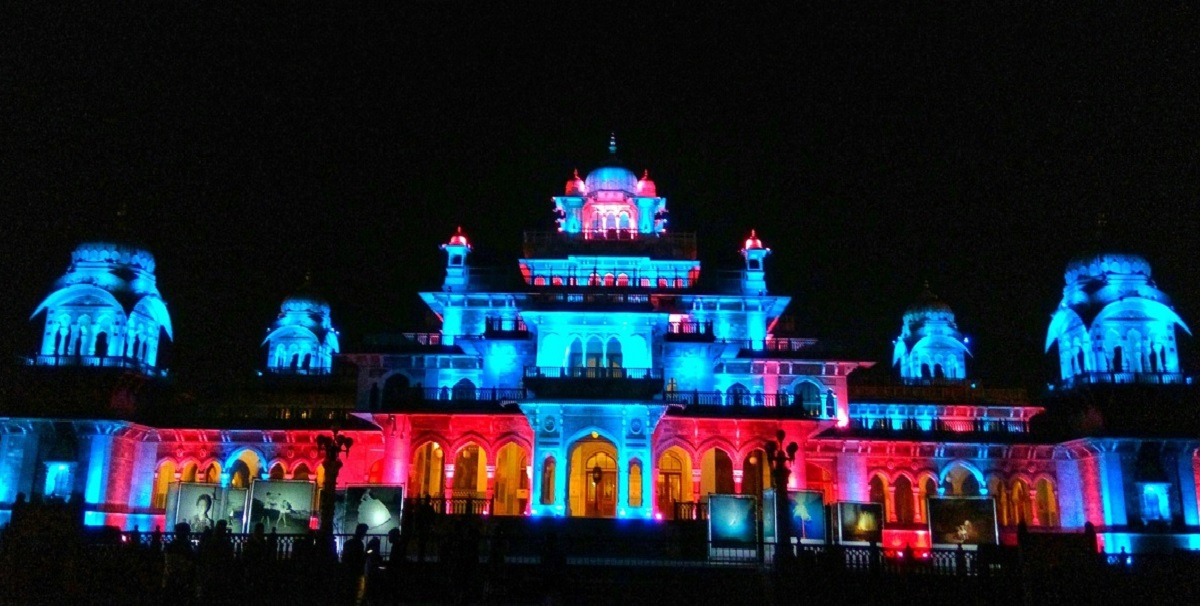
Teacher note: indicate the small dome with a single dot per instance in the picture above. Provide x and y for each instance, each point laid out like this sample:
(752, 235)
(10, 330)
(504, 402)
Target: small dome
(305, 299)
(928, 303)
(576, 186)
(646, 187)
(459, 239)
(114, 253)
(752, 242)
(611, 178)
(1102, 264)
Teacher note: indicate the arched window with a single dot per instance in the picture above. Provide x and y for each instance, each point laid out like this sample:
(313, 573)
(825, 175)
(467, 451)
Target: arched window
(614, 353)
(1046, 503)
(635, 483)
(575, 354)
(622, 279)
(594, 279)
(101, 346)
(594, 354)
(609, 280)
(464, 390)
(300, 472)
(396, 391)
(737, 395)
(662, 282)
(539, 281)
(556, 281)
(809, 394)
(878, 493)
(548, 475)
(277, 472)
(904, 501)
(623, 220)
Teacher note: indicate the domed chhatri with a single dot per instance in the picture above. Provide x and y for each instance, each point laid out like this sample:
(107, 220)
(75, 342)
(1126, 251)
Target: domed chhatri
(302, 339)
(930, 346)
(1113, 324)
(105, 310)
(611, 203)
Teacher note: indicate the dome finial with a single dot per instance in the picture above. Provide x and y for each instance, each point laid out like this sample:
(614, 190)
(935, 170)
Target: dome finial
(577, 173)
(927, 285)
(1101, 222)
(612, 143)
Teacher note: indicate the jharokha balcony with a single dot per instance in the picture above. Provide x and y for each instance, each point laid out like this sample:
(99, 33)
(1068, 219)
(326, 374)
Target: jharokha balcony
(594, 383)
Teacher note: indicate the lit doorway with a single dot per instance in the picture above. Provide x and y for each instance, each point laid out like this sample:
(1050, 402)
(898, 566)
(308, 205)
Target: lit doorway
(594, 482)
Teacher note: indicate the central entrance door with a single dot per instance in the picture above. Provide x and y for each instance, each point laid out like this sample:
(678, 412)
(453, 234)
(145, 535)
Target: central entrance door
(602, 486)
(594, 478)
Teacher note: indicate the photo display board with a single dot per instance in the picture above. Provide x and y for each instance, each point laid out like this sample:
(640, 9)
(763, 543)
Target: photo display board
(807, 508)
(807, 511)
(233, 509)
(962, 521)
(859, 523)
(284, 506)
(199, 505)
(379, 507)
(732, 526)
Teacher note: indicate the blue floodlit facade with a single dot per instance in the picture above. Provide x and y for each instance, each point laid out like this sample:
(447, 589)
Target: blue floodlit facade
(605, 374)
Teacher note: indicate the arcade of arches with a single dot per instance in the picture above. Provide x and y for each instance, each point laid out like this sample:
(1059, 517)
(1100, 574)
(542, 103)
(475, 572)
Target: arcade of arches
(594, 480)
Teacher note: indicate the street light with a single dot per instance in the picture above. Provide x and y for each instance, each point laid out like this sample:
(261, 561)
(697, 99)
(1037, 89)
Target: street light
(780, 461)
(597, 473)
(333, 446)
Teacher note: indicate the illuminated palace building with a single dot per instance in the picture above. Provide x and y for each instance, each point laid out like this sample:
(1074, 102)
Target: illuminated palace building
(613, 378)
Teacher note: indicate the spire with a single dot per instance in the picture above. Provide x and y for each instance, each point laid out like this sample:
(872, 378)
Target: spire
(1101, 223)
(612, 143)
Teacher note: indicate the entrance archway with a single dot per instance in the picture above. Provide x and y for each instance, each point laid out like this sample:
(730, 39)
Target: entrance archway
(512, 481)
(674, 480)
(470, 472)
(594, 483)
(428, 468)
(716, 473)
(755, 474)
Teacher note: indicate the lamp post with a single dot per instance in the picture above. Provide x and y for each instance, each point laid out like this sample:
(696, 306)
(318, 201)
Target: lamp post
(597, 473)
(780, 460)
(332, 446)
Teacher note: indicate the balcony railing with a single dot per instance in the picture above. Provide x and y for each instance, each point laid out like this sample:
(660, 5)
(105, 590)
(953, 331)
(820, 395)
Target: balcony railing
(592, 300)
(773, 346)
(505, 328)
(98, 362)
(665, 245)
(418, 396)
(716, 399)
(591, 372)
(902, 424)
(1127, 378)
(944, 392)
(690, 331)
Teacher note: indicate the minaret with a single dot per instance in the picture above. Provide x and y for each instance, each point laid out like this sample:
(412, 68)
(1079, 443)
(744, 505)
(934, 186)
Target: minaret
(302, 339)
(930, 346)
(105, 310)
(1113, 324)
(754, 280)
(457, 271)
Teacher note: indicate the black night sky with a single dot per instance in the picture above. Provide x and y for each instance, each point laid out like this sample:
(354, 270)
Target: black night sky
(969, 146)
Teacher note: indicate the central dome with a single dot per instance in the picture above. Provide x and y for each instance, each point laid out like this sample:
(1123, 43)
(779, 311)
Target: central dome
(611, 178)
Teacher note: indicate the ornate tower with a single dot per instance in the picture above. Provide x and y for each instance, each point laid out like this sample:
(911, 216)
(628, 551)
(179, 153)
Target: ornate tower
(930, 346)
(1113, 325)
(105, 310)
(457, 273)
(302, 339)
(754, 280)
